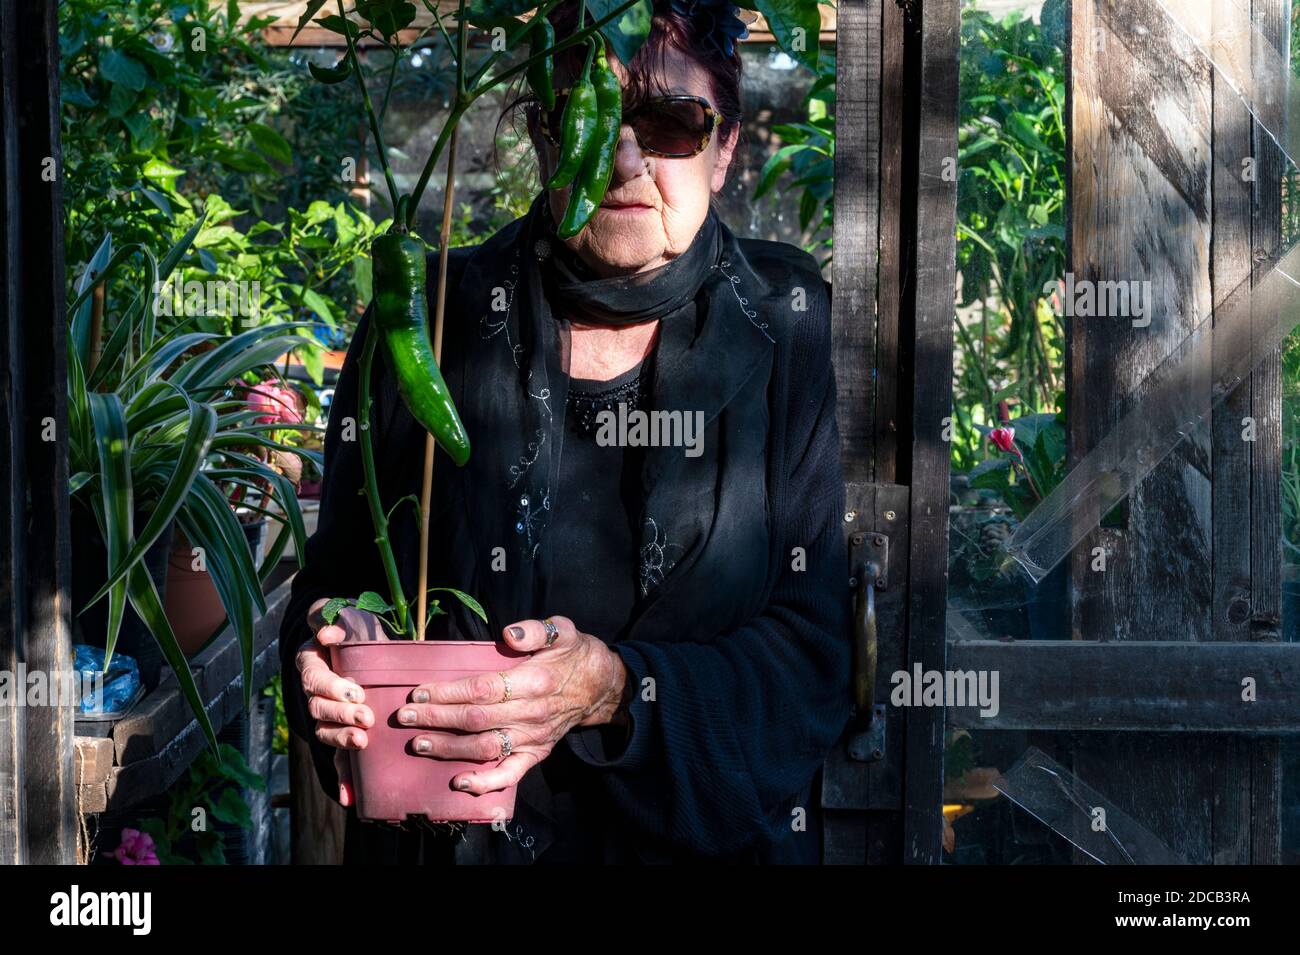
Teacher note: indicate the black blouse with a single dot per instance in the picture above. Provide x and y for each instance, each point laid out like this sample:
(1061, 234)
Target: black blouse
(594, 533)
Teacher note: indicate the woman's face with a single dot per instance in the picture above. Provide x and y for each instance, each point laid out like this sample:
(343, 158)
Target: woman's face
(654, 206)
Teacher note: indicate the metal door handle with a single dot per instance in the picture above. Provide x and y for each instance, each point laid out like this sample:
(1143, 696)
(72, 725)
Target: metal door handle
(865, 642)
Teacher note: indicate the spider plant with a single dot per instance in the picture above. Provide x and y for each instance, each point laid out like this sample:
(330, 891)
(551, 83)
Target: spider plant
(159, 425)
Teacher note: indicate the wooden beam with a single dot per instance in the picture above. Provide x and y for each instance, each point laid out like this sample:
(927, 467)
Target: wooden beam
(856, 238)
(1141, 200)
(1153, 686)
(894, 95)
(13, 504)
(38, 821)
(938, 48)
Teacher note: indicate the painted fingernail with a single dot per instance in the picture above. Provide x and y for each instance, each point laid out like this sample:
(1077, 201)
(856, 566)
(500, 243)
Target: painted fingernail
(518, 634)
(463, 784)
(423, 746)
(406, 716)
(420, 696)
(352, 695)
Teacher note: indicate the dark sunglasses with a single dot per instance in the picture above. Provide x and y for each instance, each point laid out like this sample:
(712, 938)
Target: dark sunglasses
(675, 127)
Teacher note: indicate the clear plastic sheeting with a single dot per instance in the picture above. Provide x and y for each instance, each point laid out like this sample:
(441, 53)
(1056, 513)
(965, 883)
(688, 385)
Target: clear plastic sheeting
(1226, 35)
(1179, 397)
(1079, 814)
(1245, 326)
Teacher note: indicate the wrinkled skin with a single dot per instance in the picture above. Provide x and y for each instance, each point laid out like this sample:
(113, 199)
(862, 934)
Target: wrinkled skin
(577, 681)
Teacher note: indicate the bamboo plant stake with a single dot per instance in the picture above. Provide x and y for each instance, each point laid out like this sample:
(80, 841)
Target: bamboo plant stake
(440, 308)
(439, 313)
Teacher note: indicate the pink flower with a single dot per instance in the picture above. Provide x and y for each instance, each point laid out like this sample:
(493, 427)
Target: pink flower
(137, 848)
(1004, 439)
(275, 405)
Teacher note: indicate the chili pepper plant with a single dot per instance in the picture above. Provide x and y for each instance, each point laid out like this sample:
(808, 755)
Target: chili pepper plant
(591, 123)
(589, 133)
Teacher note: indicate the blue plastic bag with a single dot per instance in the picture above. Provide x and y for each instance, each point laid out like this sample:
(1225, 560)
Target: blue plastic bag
(121, 684)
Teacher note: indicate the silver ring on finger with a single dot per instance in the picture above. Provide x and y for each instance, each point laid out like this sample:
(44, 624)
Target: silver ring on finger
(552, 631)
(507, 746)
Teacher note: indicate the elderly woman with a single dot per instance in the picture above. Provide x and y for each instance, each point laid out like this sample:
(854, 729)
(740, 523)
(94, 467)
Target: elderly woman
(685, 599)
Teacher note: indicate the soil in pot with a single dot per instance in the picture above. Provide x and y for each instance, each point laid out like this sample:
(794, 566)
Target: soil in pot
(90, 570)
(389, 780)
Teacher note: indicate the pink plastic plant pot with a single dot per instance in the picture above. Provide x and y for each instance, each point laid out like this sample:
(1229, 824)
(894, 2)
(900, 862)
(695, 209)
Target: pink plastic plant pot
(389, 780)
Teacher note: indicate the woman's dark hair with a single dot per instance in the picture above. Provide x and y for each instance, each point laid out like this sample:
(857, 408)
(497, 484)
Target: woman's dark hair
(668, 28)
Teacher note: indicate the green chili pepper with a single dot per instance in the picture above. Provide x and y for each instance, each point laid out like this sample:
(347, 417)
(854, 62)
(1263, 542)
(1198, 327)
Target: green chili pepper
(541, 75)
(402, 316)
(331, 74)
(578, 128)
(598, 165)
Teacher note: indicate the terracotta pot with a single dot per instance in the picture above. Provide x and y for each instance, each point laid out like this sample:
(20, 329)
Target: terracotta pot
(389, 780)
(191, 601)
(193, 607)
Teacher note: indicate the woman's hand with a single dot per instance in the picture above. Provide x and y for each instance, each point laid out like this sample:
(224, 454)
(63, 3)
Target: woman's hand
(337, 704)
(577, 681)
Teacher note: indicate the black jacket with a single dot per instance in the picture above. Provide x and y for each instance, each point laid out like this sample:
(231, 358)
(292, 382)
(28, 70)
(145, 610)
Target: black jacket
(724, 771)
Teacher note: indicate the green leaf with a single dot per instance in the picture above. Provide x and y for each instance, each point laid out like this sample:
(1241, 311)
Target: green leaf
(313, 362)
(807, 208)
(776, 164)
(991, 474)
(796, 24)
(464, 598)
(313, 6)
(435, 610)
(493, 12)
(371, 602)
(158, 199)
(337, 24)
(362, 278)
(271, 143)
(234, 768)
(211, 850)
(1020, 127)
(209, 522)
(80, 331)
(389, 17)
(626, 33)
(177, 252)
(116, 67)
(320, 305)
(144, 598)
(187, 462)
(117, 506)
(242, 160)
(236, 356)
(333, 608)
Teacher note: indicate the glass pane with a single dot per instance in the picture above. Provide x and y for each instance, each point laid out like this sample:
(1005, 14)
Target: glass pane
(1008, 375)
(1009, 443)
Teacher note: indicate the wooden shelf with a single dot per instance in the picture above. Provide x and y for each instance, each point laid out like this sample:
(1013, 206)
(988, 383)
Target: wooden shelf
(143, 753)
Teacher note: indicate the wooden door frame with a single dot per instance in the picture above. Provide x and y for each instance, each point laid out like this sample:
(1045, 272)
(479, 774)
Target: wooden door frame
(894, 274)
(38, 814)
(896, 119)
